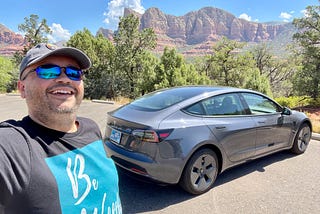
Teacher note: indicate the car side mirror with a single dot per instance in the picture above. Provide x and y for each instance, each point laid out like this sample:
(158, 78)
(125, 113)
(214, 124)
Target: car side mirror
(286, 111)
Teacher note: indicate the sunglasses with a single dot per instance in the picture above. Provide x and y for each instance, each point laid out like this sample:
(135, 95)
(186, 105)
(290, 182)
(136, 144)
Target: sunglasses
(50, 71)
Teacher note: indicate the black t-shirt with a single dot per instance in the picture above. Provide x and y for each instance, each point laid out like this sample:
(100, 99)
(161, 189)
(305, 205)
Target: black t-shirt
(47, 171)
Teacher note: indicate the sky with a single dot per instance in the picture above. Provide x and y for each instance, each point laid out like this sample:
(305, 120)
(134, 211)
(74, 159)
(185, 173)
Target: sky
(65, 17)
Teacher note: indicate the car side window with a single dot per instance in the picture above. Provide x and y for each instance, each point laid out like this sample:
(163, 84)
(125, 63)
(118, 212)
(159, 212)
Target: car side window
(226, 104)
(196, 109)
(259, 104)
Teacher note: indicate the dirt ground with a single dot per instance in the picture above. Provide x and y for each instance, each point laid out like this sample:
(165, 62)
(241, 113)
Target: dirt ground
(314, 115)
(312, 112)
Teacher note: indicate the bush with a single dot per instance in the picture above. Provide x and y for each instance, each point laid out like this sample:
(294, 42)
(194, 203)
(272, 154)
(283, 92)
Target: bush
(314, 102)
(294, 102)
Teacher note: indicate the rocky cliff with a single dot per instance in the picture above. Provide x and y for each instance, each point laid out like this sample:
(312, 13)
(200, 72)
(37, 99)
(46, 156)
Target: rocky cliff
(196, 31)
(191, 34)
(10, 42)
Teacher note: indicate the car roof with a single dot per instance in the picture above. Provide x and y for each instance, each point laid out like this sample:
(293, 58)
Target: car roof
(179, 96)
(152, 108)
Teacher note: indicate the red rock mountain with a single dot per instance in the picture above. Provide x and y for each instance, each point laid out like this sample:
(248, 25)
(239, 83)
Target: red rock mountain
(10, 42)
(191, 34)
(207, 24)
(195, 32)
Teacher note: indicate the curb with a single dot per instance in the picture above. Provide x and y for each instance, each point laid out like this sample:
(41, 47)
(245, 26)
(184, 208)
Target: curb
(103, 101)
(315, 136)
(12, 94)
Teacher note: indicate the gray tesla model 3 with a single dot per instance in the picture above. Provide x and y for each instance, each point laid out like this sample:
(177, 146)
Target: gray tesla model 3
(188, 135)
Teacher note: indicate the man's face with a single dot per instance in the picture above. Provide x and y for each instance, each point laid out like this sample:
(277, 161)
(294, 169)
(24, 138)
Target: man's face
(51, 96)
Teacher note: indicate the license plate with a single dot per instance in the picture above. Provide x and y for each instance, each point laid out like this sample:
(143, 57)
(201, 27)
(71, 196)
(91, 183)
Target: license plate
(115, 135)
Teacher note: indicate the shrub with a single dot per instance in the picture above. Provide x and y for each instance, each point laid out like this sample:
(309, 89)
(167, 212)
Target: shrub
(294, 101)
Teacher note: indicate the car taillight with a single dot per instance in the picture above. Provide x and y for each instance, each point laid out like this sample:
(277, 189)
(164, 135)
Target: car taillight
(152, 135)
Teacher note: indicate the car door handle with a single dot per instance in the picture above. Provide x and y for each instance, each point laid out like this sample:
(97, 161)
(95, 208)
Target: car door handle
(220, 127)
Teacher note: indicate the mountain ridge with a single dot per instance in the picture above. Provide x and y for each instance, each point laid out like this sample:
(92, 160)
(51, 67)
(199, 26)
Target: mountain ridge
(10, 42)
(196, 31)
(191, 34)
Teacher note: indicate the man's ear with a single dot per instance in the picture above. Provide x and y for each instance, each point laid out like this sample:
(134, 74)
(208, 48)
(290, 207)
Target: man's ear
(21, 88)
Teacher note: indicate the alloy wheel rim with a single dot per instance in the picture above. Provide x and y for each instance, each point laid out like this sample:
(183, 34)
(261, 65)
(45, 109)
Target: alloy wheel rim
(304, 138)
(203, 172)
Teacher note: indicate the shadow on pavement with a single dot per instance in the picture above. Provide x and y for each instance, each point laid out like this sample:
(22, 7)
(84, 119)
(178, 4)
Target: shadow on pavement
(138, 196)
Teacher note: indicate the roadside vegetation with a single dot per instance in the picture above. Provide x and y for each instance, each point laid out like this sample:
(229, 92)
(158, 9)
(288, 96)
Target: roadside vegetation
(308, 105)
(127, 68)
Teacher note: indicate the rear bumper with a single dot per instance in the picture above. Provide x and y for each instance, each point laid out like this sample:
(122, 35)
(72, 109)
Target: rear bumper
(166, 171)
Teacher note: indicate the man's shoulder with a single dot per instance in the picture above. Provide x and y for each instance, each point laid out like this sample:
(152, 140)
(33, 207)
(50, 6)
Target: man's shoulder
(87, 121)
(10, 122)
(9, 125)
(11, 131)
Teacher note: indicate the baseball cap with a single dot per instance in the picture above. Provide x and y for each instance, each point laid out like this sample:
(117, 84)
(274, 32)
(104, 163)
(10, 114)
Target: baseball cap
(43, 50)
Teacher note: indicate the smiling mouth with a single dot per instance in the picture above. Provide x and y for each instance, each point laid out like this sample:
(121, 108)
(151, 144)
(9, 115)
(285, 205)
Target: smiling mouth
(62, 92)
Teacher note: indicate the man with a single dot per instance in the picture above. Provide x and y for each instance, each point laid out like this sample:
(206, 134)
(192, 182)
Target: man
(52, 161)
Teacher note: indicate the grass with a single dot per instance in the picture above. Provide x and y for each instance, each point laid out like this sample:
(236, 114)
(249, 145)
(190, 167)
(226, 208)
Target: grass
(122, 100)
(315, 120)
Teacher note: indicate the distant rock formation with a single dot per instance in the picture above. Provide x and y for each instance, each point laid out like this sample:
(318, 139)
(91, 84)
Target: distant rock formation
(191, 34)
(10, 42)
(196, 31)
(208, 24)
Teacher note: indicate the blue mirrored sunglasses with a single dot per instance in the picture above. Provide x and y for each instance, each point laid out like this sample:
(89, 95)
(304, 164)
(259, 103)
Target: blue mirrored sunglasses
(50, 71)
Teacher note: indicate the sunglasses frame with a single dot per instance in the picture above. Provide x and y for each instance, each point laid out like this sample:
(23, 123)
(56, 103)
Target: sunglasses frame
(51, 66)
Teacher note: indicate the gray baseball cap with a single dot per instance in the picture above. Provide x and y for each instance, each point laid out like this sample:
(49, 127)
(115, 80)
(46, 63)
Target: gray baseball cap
(42, 50)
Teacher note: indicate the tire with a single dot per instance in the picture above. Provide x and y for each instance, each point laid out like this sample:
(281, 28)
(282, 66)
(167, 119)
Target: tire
(302, 139)
(200, 172)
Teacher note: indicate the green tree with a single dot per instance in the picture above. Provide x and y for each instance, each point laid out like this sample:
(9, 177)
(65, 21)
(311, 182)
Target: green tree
(6, 71)
(130, 45)
(308, 36)
(99, 79)
(174, 71)
(227, 66)
(169, 70)
(35, 32)
(278, 71)
(147, 75)
(258, 82)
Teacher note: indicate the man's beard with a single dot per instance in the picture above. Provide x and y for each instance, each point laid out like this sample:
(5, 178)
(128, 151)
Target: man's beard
(65, 110)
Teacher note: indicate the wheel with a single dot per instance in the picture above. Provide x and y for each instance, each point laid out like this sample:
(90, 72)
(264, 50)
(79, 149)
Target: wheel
(200, 172)
(301, 140)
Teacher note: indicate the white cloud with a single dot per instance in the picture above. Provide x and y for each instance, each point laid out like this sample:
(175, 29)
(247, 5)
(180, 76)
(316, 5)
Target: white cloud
(115, 11)
(305, 13)
(58, 33)
(245, 17)
(285, 16)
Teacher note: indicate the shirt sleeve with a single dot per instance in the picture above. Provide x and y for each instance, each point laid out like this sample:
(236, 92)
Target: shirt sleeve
(14, 165)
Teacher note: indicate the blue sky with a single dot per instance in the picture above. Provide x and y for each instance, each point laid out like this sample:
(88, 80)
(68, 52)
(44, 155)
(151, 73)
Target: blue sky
(65, 17)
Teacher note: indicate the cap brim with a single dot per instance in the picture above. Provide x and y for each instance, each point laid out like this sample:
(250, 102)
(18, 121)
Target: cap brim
(82, 59)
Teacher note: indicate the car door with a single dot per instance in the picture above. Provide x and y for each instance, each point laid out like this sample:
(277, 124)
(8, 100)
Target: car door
(229, 121)
(273, 130)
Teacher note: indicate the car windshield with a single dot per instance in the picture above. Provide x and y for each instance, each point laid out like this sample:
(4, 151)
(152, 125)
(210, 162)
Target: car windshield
(165, 98)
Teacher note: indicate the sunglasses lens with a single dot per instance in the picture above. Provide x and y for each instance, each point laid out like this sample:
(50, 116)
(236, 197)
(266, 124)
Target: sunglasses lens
(48, 71)
(74, 73)
(54, 71)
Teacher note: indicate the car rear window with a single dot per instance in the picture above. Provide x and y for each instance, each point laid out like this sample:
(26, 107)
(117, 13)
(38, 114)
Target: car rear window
(165, 98)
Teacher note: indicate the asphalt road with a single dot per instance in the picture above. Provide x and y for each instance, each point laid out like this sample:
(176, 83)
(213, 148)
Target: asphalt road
(280, 183)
